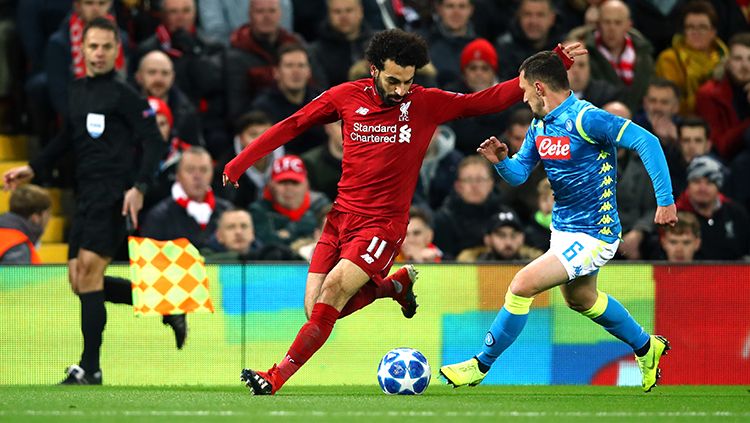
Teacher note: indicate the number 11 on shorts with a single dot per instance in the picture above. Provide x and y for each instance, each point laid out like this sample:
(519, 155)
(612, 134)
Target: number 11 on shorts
(371, 258)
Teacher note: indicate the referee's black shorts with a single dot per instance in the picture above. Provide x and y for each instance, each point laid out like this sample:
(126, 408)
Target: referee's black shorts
(98, 223)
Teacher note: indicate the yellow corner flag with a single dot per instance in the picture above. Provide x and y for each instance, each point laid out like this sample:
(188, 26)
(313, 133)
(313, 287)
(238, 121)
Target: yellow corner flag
(168, 277)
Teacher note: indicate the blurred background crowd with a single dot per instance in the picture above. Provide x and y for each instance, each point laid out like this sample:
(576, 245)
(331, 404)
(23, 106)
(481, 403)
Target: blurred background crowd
(218, 73)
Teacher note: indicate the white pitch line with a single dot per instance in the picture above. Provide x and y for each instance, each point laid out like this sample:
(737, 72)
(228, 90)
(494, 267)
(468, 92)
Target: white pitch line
(314, 413)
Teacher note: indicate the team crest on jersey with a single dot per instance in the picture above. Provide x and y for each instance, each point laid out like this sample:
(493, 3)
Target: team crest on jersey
(553, 148)
(95, 124)
(569, 125)
(404, 112)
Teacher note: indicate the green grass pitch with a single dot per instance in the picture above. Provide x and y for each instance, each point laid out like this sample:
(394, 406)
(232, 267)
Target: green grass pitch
(356, 404)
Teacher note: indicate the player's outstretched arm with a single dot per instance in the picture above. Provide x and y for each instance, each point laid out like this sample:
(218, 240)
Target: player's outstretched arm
(666, 215)
(493, 150)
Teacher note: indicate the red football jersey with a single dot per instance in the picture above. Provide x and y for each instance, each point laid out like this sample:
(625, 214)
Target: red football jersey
(383, 145)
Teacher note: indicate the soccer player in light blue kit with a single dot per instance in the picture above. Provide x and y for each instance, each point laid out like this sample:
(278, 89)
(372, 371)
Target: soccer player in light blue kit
(577, 144)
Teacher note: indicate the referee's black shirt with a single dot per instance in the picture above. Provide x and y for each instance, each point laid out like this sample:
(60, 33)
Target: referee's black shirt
(106, 121)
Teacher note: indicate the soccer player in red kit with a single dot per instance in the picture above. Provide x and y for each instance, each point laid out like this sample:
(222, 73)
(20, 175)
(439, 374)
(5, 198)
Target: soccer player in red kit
(387, 124)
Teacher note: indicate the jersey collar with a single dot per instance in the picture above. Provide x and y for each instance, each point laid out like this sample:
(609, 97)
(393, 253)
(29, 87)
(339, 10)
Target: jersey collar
(557, 111)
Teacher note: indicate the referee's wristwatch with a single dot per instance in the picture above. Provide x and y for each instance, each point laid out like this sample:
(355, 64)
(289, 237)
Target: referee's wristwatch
(142, 187)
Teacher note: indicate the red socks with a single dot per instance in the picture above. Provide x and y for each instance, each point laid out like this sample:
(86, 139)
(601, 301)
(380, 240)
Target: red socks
(371, 291)
(309, 339)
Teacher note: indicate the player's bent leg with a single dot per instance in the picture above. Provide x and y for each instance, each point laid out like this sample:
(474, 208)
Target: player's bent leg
(541, 274)
(340, 284)
(312, 291)
(582, 296)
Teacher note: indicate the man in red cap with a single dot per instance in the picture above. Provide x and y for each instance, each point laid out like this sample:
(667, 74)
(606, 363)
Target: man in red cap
(288, 210)
(478, 72)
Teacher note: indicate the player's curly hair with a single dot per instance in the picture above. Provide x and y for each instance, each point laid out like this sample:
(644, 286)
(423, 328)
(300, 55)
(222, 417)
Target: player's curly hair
(404, 48)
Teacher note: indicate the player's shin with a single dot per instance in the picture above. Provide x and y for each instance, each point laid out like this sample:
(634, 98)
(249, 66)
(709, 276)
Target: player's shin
(508, 324)
(615, 319)
(309, 339)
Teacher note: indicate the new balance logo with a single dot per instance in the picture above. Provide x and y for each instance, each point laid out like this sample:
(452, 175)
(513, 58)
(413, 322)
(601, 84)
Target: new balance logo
(362, 111)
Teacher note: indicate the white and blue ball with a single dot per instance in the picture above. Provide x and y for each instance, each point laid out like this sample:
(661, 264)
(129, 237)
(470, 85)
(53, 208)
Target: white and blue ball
(403, 371)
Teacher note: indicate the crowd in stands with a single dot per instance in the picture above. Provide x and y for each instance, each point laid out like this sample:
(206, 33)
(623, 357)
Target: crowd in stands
(219, 73)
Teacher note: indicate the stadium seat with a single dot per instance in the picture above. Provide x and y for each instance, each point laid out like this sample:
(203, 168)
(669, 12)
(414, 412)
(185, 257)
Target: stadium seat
(53, 253)
(13, 147)
(55, 230)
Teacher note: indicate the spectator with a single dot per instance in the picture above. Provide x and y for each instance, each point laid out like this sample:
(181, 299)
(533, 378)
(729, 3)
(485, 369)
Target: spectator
(449, 35)
(247, 128)
(37, 21)
(738, 188)
(694, 53)
(659, 20)
(725, 228)
(191, 211)
(165, 176)
(197, 66)
(693, 141)
(596, 91)
(254, 49)
(290, 93)
(521, 198)
(724, 103)
(155, 78)
(681, 243)
(619, 54)
(530, 32)
(660, 106)
(288, 209)
(462, 220)
(343, 39)
(478, 72)
(538, 231)
(63, 55)
(503, 241)
(418, 246)
(439, 167)
(234, 238)
(21, 228)
(218, 18)
(324, 162)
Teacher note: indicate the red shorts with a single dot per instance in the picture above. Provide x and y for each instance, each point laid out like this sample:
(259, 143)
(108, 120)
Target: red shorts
(369, 242)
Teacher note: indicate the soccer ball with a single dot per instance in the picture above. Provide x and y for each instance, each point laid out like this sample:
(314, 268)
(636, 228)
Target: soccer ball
(403, 371)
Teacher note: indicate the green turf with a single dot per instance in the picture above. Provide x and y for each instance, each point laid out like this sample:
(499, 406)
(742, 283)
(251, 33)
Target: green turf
(367, 403)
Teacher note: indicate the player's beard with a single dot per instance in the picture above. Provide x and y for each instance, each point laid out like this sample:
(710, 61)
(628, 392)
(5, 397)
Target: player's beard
(387, 100)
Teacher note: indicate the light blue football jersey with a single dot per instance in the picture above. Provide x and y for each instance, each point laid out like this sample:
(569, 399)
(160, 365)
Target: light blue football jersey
(577, 145)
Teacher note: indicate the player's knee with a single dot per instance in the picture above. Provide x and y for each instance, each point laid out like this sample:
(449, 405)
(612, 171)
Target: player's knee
(576, 304)
(523, 285)
(332, 292)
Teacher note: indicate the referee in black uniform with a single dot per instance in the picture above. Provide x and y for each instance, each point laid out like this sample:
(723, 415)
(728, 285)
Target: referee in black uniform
(106, 120)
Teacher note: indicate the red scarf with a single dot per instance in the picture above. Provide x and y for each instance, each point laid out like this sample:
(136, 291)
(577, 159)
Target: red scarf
(76, 47)
(165, 40)
(200, 211)
(623, 65)
(293, 214)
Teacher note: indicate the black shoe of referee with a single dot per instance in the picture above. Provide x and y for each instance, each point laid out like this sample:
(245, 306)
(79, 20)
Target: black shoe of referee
(178, 322)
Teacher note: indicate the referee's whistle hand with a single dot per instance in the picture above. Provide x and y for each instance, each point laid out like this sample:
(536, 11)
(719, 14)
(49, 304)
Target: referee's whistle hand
(225, 180)
(16, 177)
